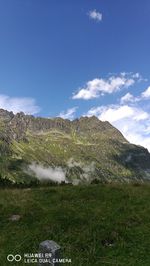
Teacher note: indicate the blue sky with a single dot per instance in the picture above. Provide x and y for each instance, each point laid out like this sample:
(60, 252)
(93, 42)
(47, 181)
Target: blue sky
(71, 58)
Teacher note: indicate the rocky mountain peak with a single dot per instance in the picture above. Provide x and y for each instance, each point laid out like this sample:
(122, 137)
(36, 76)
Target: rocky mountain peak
(19, 123)
(6, 115)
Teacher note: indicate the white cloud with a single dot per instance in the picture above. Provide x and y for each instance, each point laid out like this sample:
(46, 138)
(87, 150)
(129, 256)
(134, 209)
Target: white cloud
(69, 114)
(113, 113)
(99, 86)
(16, 104)
(146, 93)
(128, 97)
(136, 75)
(132, 121)
(56, 174)
(95, 15)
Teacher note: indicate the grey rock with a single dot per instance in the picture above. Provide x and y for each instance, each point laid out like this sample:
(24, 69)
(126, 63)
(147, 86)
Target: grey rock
(15, 217)
(51, 247)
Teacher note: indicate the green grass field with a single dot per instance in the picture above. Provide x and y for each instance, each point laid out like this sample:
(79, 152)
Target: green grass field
(94, 225)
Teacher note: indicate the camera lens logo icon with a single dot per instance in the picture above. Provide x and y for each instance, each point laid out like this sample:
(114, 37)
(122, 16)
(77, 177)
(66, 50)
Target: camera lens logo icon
(12, 257)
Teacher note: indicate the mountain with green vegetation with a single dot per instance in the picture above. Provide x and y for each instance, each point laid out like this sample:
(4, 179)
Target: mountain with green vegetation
(85, 150)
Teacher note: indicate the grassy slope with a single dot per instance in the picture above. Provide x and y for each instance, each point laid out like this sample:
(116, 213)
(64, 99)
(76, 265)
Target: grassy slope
(80, 219)
(56, 148)
(56, 142)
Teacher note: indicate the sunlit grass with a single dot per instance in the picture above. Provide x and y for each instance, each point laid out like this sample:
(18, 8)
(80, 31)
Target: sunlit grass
(94, 225)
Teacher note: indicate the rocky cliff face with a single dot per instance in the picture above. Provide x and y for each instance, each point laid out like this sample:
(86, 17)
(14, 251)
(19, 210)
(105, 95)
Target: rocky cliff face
(81, 150)
(5, 115)
(20, 123)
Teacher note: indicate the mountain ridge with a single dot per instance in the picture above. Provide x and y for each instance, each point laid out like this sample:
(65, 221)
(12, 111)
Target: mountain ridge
(29, 122)
(82, 150)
